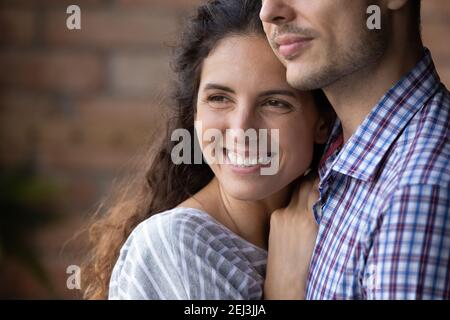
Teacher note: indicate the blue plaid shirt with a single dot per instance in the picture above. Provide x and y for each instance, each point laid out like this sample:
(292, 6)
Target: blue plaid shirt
(384, 207)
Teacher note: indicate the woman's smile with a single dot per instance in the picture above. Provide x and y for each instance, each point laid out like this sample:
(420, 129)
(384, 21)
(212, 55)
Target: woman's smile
(246, 162)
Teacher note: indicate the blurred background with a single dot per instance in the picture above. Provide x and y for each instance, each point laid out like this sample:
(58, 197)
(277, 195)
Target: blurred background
(75, 107)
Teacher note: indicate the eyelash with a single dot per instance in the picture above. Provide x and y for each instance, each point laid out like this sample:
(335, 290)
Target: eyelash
(221, 99)
(283, 103)
(214, 99)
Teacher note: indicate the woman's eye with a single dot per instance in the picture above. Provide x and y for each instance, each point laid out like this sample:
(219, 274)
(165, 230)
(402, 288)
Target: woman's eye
(277, 104)
(218, 101)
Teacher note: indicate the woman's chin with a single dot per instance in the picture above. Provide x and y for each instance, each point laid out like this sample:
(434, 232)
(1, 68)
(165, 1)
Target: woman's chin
(249, 191)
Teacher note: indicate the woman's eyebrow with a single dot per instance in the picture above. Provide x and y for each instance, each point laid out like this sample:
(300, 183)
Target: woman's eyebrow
(277, 92)
(214, 86)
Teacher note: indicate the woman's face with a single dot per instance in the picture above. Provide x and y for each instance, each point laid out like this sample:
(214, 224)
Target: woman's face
(243, 86)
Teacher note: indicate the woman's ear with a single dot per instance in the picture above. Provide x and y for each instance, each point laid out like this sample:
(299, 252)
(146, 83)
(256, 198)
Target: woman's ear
(322, 131)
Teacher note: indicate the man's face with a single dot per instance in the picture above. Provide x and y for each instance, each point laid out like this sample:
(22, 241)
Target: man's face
(322, 41)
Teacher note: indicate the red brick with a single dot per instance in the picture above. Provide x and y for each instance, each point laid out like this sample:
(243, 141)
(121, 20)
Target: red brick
(17, 27)
(103, 136)
(139, 73)
(54, 3)
(21, 116)
(112, 28)
(69, 72)
(33, 106)
(80, 3)
(172, 4)
(119, 123)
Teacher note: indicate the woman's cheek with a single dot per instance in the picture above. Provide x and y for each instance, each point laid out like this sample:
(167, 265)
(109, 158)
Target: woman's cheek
(210, 119)
(206, 121)
(297, 149)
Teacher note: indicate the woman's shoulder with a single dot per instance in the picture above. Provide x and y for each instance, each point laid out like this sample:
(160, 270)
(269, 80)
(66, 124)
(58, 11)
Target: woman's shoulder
(186, 231)
(173, 226)
(161, 237)
(171, 242)
(179, 219)
(189, 229)
(147, 266)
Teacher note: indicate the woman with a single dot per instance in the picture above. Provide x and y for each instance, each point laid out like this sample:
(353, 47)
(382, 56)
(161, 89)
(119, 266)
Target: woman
(202, 231)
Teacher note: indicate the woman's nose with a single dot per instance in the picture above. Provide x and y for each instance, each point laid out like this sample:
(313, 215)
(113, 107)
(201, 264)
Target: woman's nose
(242, 117)
(242, 122)
(276, 12)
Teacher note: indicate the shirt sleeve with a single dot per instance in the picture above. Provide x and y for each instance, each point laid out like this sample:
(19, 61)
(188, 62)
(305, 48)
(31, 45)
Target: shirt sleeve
(147, 267)
(409, 257)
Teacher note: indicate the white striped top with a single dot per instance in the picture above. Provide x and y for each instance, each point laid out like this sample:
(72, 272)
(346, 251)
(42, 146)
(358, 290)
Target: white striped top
(186, 254)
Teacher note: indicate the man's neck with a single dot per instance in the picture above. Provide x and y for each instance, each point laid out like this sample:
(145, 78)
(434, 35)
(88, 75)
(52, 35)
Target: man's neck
(354, 97)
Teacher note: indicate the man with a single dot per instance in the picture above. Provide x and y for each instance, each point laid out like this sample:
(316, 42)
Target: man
(383, 212)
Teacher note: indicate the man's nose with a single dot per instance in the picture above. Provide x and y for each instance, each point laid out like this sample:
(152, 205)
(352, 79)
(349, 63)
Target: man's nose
(276, 12)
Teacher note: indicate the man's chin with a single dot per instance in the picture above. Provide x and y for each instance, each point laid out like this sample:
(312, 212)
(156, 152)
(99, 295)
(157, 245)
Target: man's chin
(306, 76)
(299, 79)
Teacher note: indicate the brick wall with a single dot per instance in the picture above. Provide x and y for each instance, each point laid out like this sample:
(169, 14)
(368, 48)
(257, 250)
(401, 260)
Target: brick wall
(81, 103)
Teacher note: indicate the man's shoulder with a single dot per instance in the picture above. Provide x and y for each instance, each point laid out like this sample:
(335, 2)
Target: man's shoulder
(422, 151)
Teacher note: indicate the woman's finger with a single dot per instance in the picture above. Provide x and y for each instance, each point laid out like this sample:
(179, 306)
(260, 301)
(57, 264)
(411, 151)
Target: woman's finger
(301, 197)
(310, 183)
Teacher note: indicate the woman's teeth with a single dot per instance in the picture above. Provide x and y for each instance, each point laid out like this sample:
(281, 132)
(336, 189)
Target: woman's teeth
(250, 161)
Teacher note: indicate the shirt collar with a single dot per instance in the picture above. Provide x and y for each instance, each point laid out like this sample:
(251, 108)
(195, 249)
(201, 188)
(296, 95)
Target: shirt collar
(362, 155)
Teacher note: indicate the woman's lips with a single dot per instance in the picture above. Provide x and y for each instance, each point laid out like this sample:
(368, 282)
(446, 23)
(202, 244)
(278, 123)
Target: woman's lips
(291, 46)
(245, 170)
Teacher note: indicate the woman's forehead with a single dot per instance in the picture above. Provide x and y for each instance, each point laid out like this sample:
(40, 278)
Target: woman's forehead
(244, 60)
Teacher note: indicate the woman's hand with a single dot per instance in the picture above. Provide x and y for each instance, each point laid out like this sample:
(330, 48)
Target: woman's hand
(292, 237)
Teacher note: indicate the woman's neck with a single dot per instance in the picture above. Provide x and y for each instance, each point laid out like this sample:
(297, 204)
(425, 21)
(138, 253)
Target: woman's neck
(248, 219)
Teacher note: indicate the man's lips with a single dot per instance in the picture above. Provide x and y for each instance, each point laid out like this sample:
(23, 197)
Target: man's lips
(291, 45)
